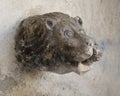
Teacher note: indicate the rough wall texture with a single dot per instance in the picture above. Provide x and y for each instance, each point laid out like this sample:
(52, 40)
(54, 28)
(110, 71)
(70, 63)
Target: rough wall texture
(101, 20)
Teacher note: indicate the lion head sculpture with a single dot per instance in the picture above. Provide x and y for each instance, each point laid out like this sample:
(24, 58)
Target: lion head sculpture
(52, 40)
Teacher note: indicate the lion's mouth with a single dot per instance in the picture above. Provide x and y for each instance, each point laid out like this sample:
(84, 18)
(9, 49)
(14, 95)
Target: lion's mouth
(89, 56)
(95, 57)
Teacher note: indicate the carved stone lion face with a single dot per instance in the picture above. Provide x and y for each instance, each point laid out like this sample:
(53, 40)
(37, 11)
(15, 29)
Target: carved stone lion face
(54, 39)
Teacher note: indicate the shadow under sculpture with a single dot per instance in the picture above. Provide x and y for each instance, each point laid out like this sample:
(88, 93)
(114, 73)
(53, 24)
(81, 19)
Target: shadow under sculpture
(54, 42)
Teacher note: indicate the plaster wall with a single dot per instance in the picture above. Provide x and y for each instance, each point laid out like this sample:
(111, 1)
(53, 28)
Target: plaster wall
(101, 20)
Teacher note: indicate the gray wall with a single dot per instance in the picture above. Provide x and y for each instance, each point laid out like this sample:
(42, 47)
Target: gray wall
(101, 19)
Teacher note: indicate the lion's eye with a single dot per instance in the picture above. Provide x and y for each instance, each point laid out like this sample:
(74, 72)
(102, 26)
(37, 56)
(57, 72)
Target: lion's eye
(68, 33)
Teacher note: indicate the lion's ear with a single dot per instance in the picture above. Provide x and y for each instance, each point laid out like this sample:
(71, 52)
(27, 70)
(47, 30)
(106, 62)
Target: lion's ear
(79, 20)
(49, 24)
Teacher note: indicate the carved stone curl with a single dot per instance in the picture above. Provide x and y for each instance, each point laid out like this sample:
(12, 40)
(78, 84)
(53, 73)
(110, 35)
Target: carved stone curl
(52, 40)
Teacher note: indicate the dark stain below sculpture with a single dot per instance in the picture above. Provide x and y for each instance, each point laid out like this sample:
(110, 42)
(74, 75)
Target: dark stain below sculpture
(54, 42)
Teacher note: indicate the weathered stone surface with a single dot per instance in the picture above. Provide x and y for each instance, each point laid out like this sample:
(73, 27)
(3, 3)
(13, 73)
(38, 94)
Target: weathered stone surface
(54, 42)
(101, 21)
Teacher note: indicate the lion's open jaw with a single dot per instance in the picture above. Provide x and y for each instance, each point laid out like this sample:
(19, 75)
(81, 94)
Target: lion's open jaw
(95, 57)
